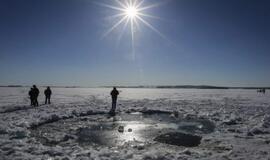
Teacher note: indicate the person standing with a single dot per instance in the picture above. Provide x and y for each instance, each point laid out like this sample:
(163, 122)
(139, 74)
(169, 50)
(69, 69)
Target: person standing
(31, 94)
(48, 94)
(114, 94)
(35, 95)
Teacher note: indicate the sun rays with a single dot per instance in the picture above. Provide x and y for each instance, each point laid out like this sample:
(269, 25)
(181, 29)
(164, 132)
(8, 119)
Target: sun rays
(131, 14)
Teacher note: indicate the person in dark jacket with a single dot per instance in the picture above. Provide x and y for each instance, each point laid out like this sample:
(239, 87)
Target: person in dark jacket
(114, 94)
(48, 94)
(35, 95)
(31, 94)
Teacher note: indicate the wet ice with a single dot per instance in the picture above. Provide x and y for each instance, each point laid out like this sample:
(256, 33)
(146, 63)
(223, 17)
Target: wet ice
(97, 130)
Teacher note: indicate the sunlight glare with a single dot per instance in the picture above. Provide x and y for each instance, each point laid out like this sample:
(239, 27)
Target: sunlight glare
(131, 12)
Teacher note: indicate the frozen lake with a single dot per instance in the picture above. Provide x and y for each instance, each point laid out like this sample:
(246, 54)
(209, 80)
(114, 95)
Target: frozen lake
(19, 96)
(171, 124)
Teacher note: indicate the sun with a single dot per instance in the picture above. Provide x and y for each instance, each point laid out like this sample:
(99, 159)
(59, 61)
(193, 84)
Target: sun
(131, 11)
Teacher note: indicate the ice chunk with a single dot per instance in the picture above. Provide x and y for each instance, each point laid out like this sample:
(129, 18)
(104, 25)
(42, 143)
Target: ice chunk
(121, 129)
(179, 139)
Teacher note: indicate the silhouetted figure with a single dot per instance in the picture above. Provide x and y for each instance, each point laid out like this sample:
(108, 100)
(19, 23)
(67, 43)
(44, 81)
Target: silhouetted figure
(35, 95)
(262, 90)
(31, 94)
(48, 94)
(114, 94)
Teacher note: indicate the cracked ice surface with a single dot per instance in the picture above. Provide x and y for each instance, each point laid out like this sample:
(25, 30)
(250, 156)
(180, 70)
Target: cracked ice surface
(242, 119)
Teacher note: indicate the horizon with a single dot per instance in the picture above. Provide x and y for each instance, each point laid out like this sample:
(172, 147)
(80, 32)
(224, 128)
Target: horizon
(189, 42)
(146, 86)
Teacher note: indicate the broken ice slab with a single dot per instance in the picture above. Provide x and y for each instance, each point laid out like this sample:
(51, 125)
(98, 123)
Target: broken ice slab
(179, 139)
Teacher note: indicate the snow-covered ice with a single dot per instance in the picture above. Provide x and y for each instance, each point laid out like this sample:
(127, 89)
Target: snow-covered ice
(241, 119)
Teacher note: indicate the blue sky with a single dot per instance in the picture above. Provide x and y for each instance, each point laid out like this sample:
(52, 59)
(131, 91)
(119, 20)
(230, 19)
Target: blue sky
(60, 42)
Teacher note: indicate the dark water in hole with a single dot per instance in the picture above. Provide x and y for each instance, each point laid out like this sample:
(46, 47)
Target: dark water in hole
(99, 130)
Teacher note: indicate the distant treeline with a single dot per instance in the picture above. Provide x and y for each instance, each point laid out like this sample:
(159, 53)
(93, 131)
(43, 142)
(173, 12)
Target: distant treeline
(17, 86)
(187, 87)
(158, 86)
(194, 87)
(172, 87)
(249, 87)
(12, 86)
